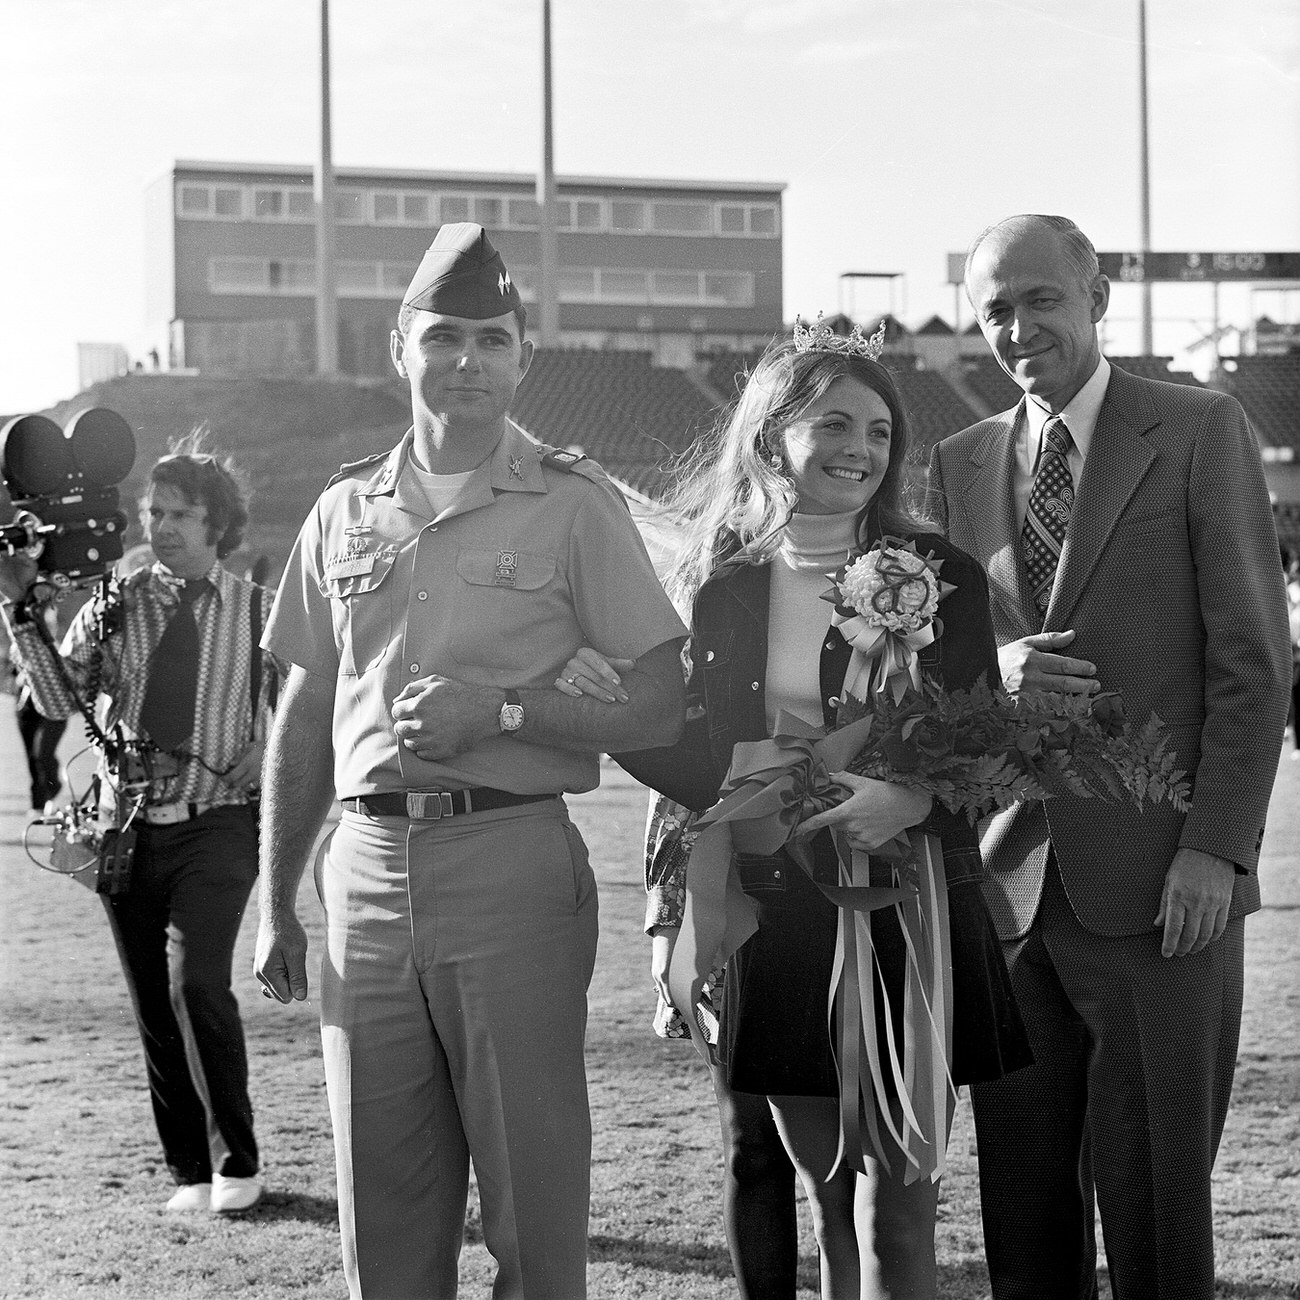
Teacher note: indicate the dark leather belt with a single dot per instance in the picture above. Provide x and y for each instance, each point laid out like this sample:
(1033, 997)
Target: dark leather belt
(433, 805)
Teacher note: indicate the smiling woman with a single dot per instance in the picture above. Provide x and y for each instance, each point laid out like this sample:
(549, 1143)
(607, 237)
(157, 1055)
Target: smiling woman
(804, 471)
(838, 451)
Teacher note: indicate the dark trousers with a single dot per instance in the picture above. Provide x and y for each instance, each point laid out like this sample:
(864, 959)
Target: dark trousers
(41, 736)
(758, 1195)
(1133, 1063)
(175, 932)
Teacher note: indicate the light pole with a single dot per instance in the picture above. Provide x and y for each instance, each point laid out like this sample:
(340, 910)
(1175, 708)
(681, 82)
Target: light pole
(1144, 179)
(327, 320)
(548, 315)
(891, 276)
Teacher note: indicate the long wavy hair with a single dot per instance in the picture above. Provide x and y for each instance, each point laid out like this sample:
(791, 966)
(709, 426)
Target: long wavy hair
(734, 482)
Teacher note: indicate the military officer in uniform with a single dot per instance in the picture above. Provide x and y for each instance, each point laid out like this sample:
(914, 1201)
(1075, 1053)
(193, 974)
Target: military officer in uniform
(432, 597)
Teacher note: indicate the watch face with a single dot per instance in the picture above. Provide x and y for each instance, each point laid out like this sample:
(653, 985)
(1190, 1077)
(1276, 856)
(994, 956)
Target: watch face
(512, 717)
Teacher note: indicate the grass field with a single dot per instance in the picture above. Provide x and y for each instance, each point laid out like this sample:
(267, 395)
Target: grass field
(82, 1184)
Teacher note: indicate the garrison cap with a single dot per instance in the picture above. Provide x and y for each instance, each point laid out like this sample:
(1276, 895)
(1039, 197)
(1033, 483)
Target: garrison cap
(462, 274)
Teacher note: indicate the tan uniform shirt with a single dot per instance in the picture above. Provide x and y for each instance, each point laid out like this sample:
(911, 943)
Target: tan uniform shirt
(529, 563)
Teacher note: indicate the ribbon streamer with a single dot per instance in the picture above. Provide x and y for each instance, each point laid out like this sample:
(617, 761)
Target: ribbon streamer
(881, 657)
(771, 787)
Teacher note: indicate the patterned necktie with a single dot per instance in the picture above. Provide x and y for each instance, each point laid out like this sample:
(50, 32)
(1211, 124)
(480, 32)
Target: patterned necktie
(1048, 515)
(167, 713)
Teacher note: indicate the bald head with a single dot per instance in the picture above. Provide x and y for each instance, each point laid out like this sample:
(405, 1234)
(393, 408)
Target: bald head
(1075, 247)
(1038, 295)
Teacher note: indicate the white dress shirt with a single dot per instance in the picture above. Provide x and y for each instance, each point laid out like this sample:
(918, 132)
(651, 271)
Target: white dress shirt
(1080, 416)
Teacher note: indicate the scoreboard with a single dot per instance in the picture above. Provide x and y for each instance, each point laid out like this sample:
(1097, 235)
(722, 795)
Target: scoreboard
(1146, 268)
(1139, 268)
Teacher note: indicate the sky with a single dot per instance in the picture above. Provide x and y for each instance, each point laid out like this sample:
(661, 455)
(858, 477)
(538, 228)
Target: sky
(899, 127)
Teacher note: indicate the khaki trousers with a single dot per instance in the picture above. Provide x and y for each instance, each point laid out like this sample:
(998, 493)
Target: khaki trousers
(453, 1011)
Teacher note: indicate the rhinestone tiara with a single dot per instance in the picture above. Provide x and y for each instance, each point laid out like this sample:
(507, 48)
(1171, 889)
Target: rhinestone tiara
(821, 338)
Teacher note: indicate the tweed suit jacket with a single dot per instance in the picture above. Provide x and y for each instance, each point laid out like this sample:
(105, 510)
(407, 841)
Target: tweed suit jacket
(1170, 577)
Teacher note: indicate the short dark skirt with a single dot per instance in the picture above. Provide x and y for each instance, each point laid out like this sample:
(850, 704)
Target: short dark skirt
(774, 1036)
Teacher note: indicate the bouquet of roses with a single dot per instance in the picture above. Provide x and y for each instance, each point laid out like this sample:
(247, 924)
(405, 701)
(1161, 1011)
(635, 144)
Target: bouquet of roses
(981, 750)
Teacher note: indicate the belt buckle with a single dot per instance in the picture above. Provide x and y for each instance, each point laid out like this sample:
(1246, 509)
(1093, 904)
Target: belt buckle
(428, 805)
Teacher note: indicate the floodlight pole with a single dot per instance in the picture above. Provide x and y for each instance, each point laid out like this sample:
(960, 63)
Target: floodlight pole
(327, 320)
(891, 276)
(1144, 180)
(548, 315)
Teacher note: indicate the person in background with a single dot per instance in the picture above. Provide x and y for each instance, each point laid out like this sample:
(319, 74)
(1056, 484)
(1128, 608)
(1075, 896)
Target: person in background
(189, 688)
(806, 470)
(1129, 542)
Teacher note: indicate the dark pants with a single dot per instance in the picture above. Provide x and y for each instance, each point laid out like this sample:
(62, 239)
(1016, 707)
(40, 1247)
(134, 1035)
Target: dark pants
(758, 1195)
(175, 932)
(41, 736)
(1133, 1063)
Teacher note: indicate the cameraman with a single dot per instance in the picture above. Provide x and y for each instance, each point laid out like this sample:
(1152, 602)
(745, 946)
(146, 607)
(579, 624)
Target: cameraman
(179, 665)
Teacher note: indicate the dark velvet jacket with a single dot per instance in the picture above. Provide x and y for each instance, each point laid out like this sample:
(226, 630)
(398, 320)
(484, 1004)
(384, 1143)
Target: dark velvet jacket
(726, 692)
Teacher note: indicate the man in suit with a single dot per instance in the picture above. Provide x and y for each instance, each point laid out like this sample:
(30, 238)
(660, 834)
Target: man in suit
(1129, 543)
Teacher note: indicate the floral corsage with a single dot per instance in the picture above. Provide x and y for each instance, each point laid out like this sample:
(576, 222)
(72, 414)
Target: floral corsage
(886, 607)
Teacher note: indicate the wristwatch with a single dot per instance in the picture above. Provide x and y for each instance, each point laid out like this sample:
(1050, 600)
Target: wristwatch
(512, 713)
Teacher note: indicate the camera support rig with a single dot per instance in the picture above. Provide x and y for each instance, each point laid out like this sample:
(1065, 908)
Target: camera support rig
(63, 503)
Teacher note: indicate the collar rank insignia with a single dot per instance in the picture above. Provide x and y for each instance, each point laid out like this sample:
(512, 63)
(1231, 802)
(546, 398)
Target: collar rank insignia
(507, 564)
(517, 467)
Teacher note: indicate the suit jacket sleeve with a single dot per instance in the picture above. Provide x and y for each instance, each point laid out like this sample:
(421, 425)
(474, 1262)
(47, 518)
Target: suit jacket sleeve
(1247, 641)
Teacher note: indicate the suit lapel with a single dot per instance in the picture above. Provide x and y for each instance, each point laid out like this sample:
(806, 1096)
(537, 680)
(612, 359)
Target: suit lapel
(991, 513)
(1119, 457)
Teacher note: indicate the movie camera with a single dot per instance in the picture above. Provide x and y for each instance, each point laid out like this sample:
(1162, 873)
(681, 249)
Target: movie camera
(59, 505)
(65, 510)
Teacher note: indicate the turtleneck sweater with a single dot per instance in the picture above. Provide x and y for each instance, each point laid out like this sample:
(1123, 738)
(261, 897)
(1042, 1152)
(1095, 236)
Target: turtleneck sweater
(812, 547)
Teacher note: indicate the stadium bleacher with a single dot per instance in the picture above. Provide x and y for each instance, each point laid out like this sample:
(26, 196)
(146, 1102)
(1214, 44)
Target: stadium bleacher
(1156, 368)
(1269, 388)
(630, 415)
(990, 383)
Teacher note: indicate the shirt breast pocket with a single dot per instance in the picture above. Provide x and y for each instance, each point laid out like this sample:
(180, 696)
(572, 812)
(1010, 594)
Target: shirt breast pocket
(507, 598)
(363, 615)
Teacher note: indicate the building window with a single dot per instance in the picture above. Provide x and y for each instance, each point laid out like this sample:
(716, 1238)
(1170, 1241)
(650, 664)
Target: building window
(581, 214)
(300, 202)
(675, 286)
(228, 201)
(762, 219)
(415, 210)
(576, 284)
(350, 205)
(729, 288)
(237, 275)
(489, 211)
(731, 219)
(626, 215)
(268, 205)
(196, 201)
(455, 207)
(387, 208)
(681, 218)
(358, 277)
(623, 286)
(524, 214)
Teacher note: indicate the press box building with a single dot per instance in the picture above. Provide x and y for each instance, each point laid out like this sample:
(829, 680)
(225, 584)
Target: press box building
(666, 266)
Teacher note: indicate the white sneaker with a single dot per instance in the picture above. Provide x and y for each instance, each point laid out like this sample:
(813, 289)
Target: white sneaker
(231, 1195)
(192, 1198)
